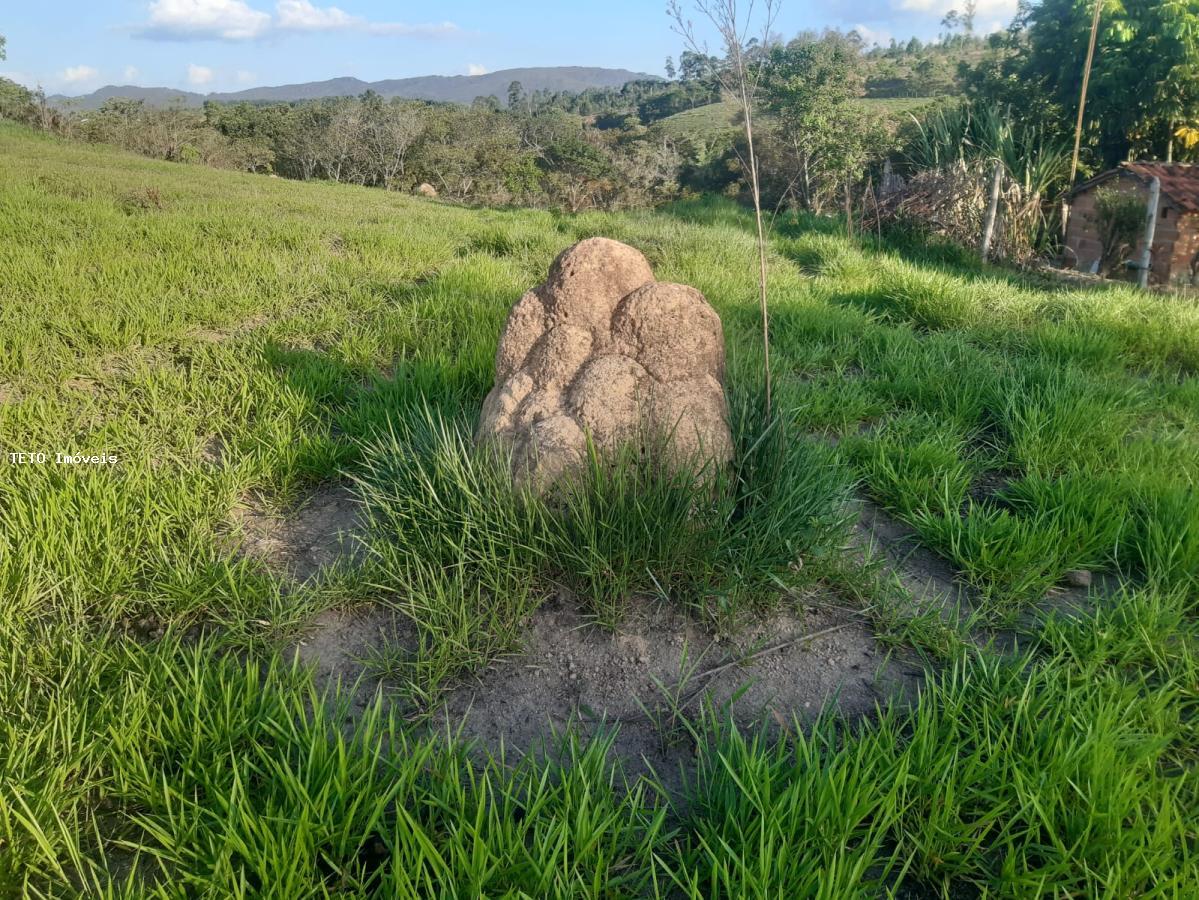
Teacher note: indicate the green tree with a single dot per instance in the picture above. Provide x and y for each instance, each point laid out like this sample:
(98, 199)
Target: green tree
(16, 101)
(960, 24)
(697, 66)
(579, 170)
(1144, 76)
(967, 16)
(811, 86)
(950, 23)
(516, 95)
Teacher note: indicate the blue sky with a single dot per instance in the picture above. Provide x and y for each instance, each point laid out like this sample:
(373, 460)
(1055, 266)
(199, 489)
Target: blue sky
(75, 46)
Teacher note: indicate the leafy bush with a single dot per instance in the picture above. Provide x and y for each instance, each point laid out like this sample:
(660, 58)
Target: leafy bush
(951, 151)
(1119, 218)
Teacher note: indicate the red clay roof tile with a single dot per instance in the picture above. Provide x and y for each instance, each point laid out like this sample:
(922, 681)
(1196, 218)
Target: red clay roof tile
(1179, 181)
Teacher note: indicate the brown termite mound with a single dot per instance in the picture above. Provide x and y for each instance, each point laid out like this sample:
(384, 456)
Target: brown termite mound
(603, 350)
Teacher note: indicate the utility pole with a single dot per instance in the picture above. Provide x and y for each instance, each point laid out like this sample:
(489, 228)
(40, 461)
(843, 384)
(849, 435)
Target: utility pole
(1155, 192)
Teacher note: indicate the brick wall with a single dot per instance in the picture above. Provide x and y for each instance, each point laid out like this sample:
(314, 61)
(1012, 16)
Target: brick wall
(1173, 240)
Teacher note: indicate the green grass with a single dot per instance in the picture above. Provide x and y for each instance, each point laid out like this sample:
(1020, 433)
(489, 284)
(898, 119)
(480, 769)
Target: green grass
(701, 122)
(156, 741)
(448, 525)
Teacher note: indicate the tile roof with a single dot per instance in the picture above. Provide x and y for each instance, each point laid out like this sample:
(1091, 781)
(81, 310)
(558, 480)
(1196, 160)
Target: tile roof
(1179, 181)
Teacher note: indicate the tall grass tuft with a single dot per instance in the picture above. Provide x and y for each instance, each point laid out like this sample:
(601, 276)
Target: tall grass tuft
(461, 549)
(966, 132)
(952, 149)
(467, 555)
(722, 548)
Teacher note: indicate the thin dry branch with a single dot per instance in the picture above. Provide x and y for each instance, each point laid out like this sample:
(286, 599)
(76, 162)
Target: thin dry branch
(737, 79)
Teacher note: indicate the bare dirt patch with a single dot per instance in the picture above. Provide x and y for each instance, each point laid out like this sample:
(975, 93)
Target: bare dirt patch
(660, 662)
(208, 335)
(933, 583)
(323, 529)
(657, 665)
(202, 335)
(82, 384)
(213, 450)
(930, 580)
(987, 487)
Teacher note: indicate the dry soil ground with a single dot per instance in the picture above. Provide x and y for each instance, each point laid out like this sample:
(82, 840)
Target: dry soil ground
(813, 655)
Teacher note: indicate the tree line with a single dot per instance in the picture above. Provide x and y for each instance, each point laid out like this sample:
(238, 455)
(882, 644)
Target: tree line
(481, 153)
(1010, 96)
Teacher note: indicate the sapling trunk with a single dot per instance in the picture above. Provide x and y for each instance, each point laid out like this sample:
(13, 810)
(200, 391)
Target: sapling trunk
(739, 82)
(762, 266)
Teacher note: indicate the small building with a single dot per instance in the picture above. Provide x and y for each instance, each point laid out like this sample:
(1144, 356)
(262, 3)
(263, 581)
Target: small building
(1174, 258)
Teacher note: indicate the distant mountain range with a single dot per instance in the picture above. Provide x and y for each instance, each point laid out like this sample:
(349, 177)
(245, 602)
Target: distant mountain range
(445, 88)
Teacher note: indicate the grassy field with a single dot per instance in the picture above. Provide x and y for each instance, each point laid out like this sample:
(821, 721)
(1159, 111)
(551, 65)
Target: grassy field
(708, 122)
(229, 335)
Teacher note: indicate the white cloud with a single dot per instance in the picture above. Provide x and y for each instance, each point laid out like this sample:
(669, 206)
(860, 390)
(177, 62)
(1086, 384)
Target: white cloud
(244, 77)
(131, 73)
(476, 69)
(236, 20)
(78, 74)
(198, 75)
(871, 36)
(197, 20)
(400, 29)
(300, 15)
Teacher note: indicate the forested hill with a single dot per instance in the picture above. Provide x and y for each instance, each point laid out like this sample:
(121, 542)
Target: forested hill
(447, 88)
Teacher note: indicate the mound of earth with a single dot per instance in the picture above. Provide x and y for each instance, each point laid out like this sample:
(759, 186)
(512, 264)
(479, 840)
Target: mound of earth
(602, 350)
